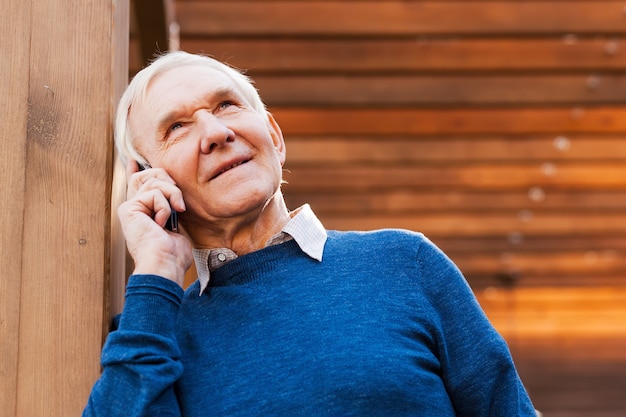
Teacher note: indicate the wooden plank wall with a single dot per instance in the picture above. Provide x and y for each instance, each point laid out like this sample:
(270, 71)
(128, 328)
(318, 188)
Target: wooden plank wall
(63, 63)
(495, 127)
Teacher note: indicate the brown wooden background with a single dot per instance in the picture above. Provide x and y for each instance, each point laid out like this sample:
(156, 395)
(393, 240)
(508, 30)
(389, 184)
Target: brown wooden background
(63, 67)
(495, 127)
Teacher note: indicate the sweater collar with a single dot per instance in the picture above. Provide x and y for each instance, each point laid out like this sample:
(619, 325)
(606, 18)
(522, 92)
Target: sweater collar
(304, 227)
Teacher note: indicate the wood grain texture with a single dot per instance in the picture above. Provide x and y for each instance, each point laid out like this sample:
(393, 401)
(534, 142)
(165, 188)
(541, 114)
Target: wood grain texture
(487, 224)
(441, 90)
(411, 200)
(376, 18)
(117, 273)
(433, 149)
(579, 118)
(14, 53)
(487, 176)
(57, 162)
(574, 376)
(582, 311)
(424, 54)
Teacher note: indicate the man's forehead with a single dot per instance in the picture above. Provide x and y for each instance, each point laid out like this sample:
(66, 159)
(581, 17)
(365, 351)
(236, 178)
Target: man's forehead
(191, 76)
(189, 85)
(173, 90)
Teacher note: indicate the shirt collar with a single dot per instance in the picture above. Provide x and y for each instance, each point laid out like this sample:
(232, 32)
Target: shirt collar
(304, 227)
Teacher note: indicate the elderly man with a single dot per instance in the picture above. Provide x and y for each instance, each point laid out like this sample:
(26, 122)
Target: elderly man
(286, 318)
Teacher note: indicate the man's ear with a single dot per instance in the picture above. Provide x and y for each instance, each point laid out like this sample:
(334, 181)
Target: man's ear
(277, 137)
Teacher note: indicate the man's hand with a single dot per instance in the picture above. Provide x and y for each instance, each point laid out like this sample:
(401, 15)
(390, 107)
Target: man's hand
(151, 196)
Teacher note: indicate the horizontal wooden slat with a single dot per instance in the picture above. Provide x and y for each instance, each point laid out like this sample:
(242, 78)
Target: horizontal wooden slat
(573, 375)
(467, 245)
(487, 224)
(565, 408)
(496, 279)
(572, 351)
(397, 18)
(579, 393)
(405, 121)
(599, 176)
(585, 311)
(516, 267)
(567, 353)
(572, 300)
(546, 263)
(526, 260)
(392, 150)
(412, 201)
(402, 90)
(287, 56)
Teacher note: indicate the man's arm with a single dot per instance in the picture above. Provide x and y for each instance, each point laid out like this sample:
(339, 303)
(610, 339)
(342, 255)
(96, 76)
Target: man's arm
(141, 360)
(477, 366)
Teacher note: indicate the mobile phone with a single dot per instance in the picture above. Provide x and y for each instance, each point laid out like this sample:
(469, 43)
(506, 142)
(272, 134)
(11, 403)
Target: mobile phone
(172, 222)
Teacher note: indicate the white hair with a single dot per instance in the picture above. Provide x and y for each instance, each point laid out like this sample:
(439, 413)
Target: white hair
(136, 92)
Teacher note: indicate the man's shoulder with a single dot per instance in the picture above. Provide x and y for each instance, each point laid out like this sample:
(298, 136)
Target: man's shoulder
(380, 235)
(397, 241)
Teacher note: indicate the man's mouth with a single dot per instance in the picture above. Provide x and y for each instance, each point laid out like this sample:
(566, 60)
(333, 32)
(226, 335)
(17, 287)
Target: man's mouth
(236, 164)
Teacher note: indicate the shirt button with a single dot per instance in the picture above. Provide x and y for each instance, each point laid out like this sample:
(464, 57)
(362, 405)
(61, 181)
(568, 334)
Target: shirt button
(221, 257)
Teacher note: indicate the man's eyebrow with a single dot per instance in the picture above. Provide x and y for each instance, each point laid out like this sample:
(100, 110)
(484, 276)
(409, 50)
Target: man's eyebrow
(226, 92)
(164, 123)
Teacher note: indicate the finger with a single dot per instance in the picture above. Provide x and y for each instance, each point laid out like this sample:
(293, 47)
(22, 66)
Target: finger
(146, 179)
(158, 173)
(152, 204)
(171, 192)
(162, 212)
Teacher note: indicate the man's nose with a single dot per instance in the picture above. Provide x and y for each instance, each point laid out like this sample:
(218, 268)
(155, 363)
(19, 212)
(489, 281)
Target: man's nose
(214, 132)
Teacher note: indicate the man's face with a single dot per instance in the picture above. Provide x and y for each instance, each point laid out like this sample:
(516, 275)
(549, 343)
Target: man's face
(224, 156)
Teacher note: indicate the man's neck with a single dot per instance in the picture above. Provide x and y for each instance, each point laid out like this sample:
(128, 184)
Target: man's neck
(244, 234)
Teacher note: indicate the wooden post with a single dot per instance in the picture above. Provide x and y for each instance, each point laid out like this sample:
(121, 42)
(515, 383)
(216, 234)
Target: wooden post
(64, 64)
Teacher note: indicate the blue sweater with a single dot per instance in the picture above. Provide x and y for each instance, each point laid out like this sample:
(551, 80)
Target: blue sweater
(385, 326)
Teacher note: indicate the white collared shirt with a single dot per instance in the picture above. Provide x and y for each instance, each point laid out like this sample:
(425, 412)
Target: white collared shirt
(303, 227)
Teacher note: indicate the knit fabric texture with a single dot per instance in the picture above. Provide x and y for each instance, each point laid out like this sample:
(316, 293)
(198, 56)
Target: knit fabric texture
(385, 325)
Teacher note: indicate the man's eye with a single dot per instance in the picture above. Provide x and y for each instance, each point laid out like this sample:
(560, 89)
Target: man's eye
(172, 128)
(175, 126)
(226, 103)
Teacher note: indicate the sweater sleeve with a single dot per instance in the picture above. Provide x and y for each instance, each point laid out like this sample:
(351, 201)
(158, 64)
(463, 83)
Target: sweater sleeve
(477, 366)
(141, 360)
